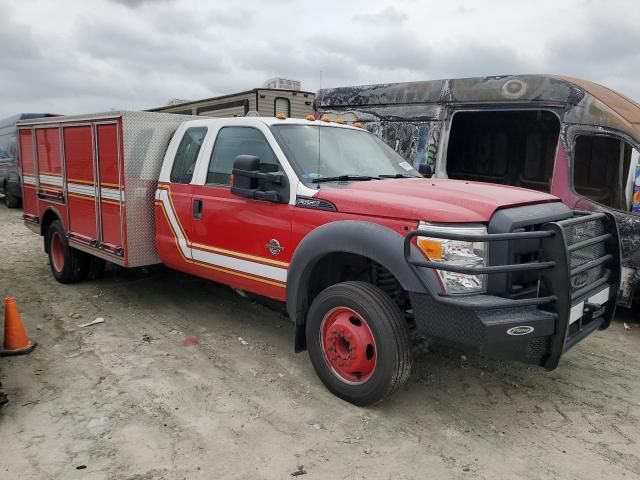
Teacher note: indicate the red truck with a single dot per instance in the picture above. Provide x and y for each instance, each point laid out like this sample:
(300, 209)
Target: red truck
(365, 251)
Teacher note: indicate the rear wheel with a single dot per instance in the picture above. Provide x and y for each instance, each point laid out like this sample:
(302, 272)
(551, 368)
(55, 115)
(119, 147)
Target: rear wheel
(66, 263)
(93, 267)
(358, 342)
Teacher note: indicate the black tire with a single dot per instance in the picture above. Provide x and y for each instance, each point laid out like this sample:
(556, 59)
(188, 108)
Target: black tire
(390, 332)
(66, 263)
(10, 200)
(93, 267)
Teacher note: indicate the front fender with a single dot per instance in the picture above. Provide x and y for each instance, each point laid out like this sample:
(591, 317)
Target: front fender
(366, 239)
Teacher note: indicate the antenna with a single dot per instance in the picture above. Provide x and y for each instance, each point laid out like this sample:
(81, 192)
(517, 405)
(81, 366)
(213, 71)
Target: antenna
(319, 130)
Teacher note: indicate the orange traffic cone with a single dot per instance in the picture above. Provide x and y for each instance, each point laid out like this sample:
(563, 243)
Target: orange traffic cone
(16, 341)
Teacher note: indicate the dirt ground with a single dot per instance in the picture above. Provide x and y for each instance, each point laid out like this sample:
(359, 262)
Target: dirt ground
(137, 398)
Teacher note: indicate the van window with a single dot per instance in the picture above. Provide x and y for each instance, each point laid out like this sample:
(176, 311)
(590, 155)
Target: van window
(234, 141)
(605, 170)
(187, 154)
(508, 147)
(7, 145)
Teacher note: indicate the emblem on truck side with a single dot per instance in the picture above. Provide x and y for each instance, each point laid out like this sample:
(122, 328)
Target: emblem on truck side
(274, 247)
(522, 330)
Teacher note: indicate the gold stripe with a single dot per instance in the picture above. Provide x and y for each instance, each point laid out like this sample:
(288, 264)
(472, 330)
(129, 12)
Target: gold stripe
(238, 274)
(241, 255)
(110, 202)
(106, 184)
(50, 174)
(84, 197)
(76, 180)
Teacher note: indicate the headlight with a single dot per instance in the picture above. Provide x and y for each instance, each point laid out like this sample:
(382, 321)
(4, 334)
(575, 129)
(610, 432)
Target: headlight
(456, 252)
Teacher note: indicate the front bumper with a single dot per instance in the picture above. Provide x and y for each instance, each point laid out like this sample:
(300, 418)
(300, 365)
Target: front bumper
(579, 276)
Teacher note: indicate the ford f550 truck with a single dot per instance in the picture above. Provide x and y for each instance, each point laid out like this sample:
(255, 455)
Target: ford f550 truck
(330, 220)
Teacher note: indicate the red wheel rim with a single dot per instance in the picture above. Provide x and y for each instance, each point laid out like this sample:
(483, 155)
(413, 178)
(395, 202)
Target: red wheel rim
(348, 345)
(57, 252)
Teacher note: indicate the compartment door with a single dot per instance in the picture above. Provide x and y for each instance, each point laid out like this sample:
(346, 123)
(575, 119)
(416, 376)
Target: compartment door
(111, 198)
(28, 168)
(49, 164)
(81, 191)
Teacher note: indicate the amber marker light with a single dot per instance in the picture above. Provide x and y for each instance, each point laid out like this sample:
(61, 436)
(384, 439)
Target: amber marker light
(281, 116)
(431, 247)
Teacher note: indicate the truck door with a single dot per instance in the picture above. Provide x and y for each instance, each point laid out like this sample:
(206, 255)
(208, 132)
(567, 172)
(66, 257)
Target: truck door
(235, 240)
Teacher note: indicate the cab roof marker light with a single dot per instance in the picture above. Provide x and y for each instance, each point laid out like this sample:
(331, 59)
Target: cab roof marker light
(311, 118)
(326, 118)
(281, 116)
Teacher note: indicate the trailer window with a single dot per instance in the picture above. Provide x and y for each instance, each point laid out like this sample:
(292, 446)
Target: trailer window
(605, 170)
(234, 141)
(509, 147)
(184, 162)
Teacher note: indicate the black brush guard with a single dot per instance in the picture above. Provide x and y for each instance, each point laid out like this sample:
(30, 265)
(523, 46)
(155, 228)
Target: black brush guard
(578, 257)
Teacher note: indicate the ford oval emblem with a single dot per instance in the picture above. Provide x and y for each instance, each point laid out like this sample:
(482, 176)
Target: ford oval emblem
(522, 330)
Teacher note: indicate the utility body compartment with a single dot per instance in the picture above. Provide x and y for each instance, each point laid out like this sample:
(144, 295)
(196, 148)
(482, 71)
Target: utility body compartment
(98, 173)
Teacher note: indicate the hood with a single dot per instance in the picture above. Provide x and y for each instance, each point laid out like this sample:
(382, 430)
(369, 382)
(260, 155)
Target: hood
(433, 200)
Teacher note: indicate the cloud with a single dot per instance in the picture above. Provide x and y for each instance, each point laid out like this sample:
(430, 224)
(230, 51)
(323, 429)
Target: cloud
(98, 55)
(389, 16)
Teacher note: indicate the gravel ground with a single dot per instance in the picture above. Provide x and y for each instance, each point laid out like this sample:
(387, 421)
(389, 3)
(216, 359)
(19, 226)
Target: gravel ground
(186, 379)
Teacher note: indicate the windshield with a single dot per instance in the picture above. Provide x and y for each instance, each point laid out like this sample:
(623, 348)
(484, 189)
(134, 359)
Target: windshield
(326, 153)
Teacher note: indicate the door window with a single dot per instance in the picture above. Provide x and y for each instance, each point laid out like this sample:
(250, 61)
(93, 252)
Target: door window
(184, 162)
(605, 170)
(234, 141)
(282, 105)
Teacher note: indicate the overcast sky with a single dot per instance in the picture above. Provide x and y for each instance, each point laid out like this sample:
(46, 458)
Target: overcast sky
(82, 56)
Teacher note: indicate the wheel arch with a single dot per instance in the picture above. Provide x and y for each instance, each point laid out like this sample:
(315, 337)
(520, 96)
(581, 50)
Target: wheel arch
(50, 215)
(368, 240)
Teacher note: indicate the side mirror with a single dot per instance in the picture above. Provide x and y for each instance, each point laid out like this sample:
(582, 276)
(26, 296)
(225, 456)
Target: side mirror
(247, 179)
(425, 170)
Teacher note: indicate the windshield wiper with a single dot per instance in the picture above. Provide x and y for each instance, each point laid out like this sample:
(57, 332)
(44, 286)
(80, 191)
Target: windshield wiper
(397, 175)
(344, 178)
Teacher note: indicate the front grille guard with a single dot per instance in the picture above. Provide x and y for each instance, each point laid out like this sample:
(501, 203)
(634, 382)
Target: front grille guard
(559, 274)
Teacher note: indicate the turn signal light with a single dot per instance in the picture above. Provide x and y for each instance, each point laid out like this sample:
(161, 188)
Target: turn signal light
(431, 248)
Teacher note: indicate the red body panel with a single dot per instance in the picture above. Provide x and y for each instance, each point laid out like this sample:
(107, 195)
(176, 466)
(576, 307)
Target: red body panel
(435, 200)
(78, 142)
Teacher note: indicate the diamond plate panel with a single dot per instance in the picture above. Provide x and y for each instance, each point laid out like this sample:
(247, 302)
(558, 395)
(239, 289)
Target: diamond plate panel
(145, 138)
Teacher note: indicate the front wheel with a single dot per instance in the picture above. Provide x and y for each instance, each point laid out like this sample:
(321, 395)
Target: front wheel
(358, 342)
(67, 264)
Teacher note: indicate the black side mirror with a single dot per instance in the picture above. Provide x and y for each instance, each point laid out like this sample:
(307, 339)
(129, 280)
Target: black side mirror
(247, 177)
(244, 169)
(425, 170)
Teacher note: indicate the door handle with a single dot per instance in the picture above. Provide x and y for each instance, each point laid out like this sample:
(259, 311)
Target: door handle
(197, 209)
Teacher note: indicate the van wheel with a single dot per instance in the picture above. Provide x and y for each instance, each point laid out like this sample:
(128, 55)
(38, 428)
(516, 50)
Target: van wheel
(10, 200)
(93, 267)
(358, 342)
(66, 263)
